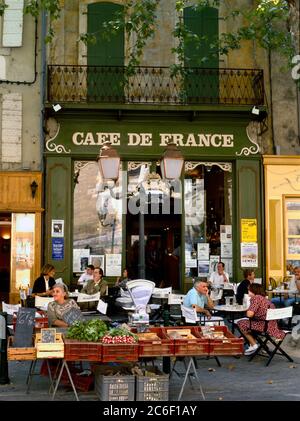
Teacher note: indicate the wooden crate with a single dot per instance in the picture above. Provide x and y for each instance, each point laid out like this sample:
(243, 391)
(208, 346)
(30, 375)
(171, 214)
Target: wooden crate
(227, 345)
(162, 345)
(191, 343)
(19, 354)
(49, 350)
(82, 350)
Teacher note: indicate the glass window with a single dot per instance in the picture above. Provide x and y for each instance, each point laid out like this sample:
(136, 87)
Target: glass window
(22, 249)
(208, 218)
(97, 229)
(292, 233)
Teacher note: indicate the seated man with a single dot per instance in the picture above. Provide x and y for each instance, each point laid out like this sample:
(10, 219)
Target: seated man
(242, 289)
(290, 299)
(220, 277)
(198, 298)
(86, 276)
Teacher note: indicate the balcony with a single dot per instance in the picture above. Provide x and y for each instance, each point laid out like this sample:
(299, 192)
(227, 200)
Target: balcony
(154, 85)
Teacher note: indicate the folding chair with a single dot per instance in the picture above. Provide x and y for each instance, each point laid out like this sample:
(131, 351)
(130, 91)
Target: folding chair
(264, 339)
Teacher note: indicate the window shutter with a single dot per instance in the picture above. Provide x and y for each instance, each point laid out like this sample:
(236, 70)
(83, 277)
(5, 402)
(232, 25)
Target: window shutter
(13, 23)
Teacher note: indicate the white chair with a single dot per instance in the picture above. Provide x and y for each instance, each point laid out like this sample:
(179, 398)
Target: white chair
(10, 308)
(42, 302)
(191, 316)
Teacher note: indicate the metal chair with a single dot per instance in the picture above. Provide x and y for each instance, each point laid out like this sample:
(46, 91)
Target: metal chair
(264, 339)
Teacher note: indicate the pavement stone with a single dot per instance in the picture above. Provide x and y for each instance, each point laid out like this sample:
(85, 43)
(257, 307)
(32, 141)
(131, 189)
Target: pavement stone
(236, 380)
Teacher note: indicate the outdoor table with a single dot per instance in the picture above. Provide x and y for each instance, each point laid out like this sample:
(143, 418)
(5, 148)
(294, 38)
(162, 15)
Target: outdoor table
(232, 310)
(281, 292)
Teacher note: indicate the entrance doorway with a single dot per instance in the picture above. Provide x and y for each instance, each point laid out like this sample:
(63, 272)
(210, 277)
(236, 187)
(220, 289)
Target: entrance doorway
(5, 254)
(162, 248)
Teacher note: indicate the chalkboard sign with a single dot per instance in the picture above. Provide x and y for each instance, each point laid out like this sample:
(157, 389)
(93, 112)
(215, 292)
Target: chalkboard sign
(48, 335)
(72, 316)
(24, 327)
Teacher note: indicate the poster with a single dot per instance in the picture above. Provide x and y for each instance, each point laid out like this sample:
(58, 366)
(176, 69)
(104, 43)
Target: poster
(226, 250)
(97, 260)
(213, 263)
(58, 248)
(203, 251)
(57, 228)
(203, 268)
(228, 266)
(249, 255)
(225, 233)
(80, 259)
(113, 264)
(190, 260)
(249, 230)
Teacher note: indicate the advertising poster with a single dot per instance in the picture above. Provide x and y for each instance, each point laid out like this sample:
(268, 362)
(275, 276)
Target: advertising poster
(57, 228)
(249, 230)
(58, 248)
(249, 255)
(225, 234)
(113, 264)
(226, 250)
(203, 268)
(203, 251)
(80, 259)
(213, 263)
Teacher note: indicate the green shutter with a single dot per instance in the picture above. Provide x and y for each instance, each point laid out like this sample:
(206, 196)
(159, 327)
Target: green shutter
(105, 83)
(201, 86)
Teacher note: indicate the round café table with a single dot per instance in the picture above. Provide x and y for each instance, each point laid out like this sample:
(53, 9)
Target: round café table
(233, 311)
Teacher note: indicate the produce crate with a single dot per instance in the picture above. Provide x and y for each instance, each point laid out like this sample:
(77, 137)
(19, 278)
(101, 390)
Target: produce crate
(40, 322)
(230, 345)
(120, 352)
(18, 354)
(164, 346)
(49, 350)
(82, 350)
(152, 388)
(189, 346)
(114, 387)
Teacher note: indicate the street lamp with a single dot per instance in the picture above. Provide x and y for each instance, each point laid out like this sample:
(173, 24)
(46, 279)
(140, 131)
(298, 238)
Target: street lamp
(109, 162)
(171, 163)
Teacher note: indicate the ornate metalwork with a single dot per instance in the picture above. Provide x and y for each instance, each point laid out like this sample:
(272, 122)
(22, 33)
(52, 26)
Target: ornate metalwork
(78, 165)
(191, 165)
(155, 85)
(52, 147)
(251, 130)
(134, 165)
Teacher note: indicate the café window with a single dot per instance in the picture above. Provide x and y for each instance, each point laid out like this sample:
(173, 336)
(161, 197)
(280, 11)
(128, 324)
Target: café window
(97, 222)
(292, 233)
(208, 218)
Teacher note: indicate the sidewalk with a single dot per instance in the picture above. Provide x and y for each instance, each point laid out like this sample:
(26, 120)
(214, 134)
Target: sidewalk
(237, 380)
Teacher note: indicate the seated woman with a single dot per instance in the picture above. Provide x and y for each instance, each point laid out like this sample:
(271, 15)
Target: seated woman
(122, 281)
(59, 310)
(44, 283)
(257, 311)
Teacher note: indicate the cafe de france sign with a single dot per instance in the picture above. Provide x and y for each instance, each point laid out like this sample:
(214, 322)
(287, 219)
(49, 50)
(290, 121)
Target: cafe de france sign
(230, 141)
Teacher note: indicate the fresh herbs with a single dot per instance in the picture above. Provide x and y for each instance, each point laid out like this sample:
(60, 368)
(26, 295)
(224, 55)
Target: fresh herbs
(91, 331)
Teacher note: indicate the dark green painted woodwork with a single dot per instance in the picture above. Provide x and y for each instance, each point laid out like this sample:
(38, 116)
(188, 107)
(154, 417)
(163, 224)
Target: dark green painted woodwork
(59, 198)
(248, 204)
(92, 131)
(105, 52)
(203, 23)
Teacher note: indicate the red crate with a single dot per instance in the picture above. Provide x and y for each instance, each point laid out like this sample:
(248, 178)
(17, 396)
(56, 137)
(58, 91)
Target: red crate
(184, 347)
(40, 322)
(120, 352)
(82, 350)
(155, 348)
(231, 345)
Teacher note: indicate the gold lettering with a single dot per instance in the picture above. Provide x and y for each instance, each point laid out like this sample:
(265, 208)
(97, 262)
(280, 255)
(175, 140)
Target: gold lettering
(75, 139)
(191, 140)
(164, 138)
(89, 139)
(204, 139)
(213, 140)
(146, 139)
(227, 140)
(134, 139)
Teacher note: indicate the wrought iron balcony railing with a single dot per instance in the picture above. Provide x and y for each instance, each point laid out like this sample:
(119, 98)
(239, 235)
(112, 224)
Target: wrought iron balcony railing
(155, 85)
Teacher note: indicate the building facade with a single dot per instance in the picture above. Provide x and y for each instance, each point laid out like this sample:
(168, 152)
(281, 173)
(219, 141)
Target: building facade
(214, 212)
(21, 181)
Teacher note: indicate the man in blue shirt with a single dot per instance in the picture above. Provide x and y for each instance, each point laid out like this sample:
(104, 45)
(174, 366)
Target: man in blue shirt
(198, 298)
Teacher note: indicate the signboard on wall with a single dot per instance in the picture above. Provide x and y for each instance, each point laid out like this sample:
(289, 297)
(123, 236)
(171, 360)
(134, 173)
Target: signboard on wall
(248, 230)
(58, 247)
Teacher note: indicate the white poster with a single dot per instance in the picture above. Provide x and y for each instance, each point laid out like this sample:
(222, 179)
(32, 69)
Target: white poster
(213, 263)
(57, 228)
(113, 264)
(97, 260)
(226, 250)
(249, 255)
(190, 262)
(226, 233)
(203, 268)
(80, 259)
(228, 266)
(203, 251)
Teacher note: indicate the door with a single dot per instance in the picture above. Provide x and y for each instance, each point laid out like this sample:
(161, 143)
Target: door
(5, 253)
(105, 83)
(201, 85)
